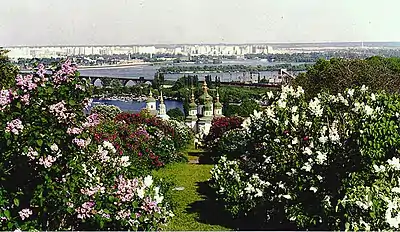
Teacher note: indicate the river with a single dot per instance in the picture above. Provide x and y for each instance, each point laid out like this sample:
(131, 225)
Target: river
(136, 106)
(148, 71)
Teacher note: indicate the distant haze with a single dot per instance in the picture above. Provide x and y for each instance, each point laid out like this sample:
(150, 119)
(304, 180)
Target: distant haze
(93, 22)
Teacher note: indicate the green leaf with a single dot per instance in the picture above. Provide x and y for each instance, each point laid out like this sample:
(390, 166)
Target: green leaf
(7, 214)
(39, 142)
(16, 202)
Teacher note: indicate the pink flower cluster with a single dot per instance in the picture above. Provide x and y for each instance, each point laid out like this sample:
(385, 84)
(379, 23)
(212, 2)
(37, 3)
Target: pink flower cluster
(25, 99)
(15, 126)
(48, 161)
(150, 206)
(25, 213)
(87, 102)
(126, 188)
(93, 190)
(85, 210)
(74, 131)
(41, 72)
(92, 120)
(67, 69)
(60, 111)
(26, 82)
(5, 98)
(123, 214)
(103, 214)
(79, 142)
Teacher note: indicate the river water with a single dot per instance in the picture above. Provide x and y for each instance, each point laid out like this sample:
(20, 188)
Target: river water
(135, 106)
(148, 71)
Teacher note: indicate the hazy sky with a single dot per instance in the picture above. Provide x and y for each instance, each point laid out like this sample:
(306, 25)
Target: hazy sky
(62, 22)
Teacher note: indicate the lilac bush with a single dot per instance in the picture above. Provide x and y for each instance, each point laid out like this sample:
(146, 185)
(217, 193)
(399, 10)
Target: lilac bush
(331, 163)
(54, 175)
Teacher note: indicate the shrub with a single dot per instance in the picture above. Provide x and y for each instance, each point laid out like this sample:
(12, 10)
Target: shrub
(336, 75)
(218, 127)
(327, 164)
(176, 114)
(150, 142)
(53, 174)
(182, 133)
(106, 112)
(232, 143)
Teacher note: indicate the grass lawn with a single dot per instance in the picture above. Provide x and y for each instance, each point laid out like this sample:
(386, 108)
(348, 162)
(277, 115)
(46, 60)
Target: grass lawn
(193, 209)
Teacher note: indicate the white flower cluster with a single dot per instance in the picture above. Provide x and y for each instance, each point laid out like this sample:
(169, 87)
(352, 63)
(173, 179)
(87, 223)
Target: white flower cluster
(297, 142)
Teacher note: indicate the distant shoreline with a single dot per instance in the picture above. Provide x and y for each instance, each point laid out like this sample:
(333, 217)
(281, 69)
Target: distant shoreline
(113, 66)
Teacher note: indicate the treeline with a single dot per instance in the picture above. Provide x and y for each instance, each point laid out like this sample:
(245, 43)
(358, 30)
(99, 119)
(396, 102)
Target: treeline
(232, 68)
(315, 56)
(335, 75)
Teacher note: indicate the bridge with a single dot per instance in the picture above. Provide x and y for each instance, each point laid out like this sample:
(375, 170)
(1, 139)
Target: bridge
(125, 81)
(284, 76)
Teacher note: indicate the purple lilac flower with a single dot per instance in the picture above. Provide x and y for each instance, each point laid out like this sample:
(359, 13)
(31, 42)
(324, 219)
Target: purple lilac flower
(15, 126)
(5, 98)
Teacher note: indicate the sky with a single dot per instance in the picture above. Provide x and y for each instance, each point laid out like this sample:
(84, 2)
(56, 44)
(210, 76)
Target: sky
(109, 22)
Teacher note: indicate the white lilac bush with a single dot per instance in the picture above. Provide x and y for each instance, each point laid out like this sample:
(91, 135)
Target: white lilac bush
(182, 133)
(106, 112)
(54, 175)
(331, 163)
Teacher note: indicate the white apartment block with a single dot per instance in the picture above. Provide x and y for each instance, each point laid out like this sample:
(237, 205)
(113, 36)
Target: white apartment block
(192, 50)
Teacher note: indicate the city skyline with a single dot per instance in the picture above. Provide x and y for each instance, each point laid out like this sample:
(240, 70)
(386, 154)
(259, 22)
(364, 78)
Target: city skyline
(151, 22)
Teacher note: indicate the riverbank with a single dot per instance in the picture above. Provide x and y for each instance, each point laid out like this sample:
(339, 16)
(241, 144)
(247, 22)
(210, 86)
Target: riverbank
(115, 66)
(129, 98)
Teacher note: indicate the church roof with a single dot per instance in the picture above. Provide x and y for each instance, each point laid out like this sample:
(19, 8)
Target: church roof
(150, 98)
(218, 105)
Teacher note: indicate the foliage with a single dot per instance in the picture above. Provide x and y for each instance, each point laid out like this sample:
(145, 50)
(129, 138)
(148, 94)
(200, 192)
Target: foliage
(8, 71)
(176, 114)
(232, 143)
(106, 112)
(231, 68)
(245, 108)
(219, 126)
(336, 75)
(158, 80)
(182, 133)
(149, 142)
(327, 164)
(54, 175)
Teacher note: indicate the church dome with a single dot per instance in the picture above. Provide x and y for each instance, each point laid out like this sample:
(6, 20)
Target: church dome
(150, 98)
(205, 97)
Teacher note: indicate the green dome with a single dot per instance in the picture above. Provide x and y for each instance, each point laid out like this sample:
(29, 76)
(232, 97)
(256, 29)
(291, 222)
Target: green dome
(207, 107)
(192, 105)
(218, 105)
(205, 97)
(150, 99)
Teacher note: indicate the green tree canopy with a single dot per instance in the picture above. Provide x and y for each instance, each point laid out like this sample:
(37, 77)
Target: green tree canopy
(8, 71)
(176, 114)
(335, 75)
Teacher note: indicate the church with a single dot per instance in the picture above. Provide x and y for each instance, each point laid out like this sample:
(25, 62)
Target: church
(151, 106)
(200, 116)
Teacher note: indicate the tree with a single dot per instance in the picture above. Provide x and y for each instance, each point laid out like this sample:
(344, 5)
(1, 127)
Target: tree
(8, 71)
(245, 109)
(335, 75)
(176, 114)
(158, 80)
